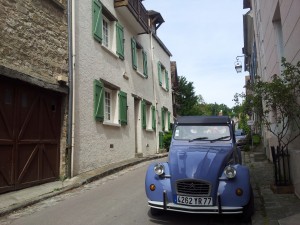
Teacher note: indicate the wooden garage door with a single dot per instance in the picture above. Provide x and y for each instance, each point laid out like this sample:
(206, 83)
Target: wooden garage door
(29, 135)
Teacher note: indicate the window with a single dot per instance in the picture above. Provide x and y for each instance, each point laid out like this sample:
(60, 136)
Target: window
(110, 104)
(107, 105)
(107, 30)
(165, 119)
(139, 58)
(148, 116)
(163, 76)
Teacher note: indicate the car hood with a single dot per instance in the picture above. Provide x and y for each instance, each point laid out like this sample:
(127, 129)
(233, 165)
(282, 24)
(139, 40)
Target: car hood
(198, 162)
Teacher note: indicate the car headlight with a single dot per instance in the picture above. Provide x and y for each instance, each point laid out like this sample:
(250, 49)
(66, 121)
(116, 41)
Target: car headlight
(159, 169)
(230, 172)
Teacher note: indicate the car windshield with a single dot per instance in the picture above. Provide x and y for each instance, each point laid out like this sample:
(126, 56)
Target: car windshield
(202, 133)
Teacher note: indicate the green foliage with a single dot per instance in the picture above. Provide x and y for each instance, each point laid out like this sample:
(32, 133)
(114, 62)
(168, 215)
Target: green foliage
(276, 103)
(167, 140)
(192, 104)
(256, 139)
(186, 98)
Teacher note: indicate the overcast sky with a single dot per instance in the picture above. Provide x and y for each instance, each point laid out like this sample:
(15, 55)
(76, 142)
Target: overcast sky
(204, 37)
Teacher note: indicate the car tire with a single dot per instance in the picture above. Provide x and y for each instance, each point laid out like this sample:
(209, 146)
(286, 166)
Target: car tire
(248, 209)
(156, 212)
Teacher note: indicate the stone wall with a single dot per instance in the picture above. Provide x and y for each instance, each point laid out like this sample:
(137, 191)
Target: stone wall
(34, 49)
(34, 38)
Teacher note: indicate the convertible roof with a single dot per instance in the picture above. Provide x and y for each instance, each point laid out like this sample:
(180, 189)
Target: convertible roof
(203, 120)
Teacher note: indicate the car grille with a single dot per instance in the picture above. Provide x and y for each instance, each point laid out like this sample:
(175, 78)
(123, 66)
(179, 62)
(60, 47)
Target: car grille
(193, 187)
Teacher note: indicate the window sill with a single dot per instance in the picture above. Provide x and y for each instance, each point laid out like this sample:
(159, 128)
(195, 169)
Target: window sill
(107, 123)
(149, 130)
(165, 89)
(141, 74)
(109, 51)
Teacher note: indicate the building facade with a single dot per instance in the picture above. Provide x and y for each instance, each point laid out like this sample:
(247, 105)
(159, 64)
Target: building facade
(122, 89)
(33, 92)
(271, 31)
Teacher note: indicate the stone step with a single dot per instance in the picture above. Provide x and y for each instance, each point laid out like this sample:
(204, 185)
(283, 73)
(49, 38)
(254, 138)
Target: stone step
(259, 157)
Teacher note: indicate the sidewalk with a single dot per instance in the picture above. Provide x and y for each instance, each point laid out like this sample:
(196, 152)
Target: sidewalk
(270, 208)
(15, 200)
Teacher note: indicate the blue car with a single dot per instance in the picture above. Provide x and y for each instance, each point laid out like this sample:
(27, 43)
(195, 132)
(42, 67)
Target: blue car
(204, 172)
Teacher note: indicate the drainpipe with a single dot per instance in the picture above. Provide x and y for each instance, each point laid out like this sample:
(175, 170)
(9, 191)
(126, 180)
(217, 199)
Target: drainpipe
(70, 130)
(154, 92)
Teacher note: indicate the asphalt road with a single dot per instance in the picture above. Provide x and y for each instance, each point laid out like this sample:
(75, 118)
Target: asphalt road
(118, 199)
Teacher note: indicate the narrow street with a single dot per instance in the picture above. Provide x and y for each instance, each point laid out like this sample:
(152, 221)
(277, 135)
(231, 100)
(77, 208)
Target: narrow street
(118, 199)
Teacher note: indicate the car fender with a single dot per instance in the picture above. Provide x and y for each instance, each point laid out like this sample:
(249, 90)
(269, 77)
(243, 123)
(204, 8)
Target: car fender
(227, 187)
(162, 183)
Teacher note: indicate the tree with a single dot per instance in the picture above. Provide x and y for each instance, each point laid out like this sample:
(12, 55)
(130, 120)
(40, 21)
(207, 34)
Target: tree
(187, 99)
(276, 102)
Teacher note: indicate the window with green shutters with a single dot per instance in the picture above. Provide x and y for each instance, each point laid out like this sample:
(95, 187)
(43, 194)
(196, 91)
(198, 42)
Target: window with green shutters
(148, 117)
(120, 40)
(104, 24)
(98, 100)
(133, 54)
(153, 112)
(106, 104)
(97, 20)
(163, 116)
(163, 76)
(159, 73)
(145, 64)
(139, 58)
(123, 108)
(167, 80)
(144, 112)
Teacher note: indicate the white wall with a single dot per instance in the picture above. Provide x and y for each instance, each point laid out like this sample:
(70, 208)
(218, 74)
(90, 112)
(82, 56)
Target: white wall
(93, 139)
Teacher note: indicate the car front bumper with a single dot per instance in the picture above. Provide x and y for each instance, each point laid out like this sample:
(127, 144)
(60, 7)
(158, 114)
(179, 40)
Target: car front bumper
(194, 209)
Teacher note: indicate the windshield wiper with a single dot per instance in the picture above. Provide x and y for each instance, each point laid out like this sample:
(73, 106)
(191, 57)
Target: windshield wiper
(198, 138)
(218, 139)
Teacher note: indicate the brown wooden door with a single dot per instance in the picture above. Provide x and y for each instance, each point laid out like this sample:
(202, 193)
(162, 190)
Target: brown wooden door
(29, 135)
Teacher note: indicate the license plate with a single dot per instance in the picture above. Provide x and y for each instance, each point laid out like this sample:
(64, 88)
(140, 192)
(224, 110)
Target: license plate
(197, 201)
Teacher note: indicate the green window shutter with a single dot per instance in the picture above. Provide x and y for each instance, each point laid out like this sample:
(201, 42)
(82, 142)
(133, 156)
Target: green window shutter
(153, 117)
(123, 108)
(133, 53)
(120, 38)
(144, 124)
(145, 64)
(161, 140)
(98, 100)
(159, 73)
(97, 20)
(169, 121)
(167, 80)
(163, 119)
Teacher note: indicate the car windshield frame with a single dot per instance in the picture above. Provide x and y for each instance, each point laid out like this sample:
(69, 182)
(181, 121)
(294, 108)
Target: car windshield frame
(200, 132)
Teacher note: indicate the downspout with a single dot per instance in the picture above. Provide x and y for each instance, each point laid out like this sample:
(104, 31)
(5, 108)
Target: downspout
(154, 92)
(70, 130)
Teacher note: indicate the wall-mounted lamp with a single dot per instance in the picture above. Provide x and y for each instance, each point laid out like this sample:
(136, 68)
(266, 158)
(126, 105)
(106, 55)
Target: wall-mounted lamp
(238, 64)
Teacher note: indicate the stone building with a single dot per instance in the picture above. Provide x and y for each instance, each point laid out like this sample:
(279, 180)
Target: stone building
(33, 92)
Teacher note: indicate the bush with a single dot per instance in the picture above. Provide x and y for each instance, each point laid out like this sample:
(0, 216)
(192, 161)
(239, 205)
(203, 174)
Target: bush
(167, 140)
(256, 139)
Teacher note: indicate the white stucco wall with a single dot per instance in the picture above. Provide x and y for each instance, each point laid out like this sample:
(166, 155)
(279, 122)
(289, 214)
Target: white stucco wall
(93, 140)
(265, 15)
